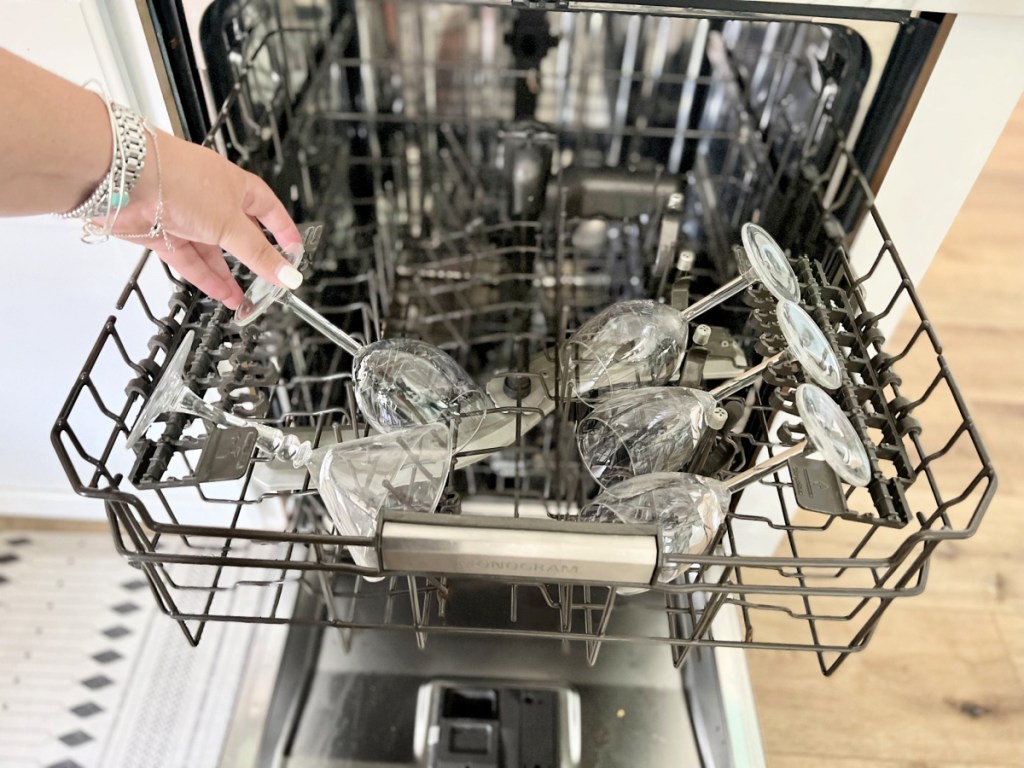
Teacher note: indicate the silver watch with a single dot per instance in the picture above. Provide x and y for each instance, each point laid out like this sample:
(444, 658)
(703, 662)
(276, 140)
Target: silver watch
(125, 169)
(133, 147)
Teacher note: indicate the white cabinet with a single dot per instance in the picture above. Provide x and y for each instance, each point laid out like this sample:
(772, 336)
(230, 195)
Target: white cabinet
(971, 93)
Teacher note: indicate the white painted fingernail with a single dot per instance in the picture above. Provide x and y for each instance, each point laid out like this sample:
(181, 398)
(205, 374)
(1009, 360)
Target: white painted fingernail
(289, 276)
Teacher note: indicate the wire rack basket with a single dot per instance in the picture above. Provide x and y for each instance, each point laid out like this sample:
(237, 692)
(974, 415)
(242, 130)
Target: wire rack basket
(403, 148)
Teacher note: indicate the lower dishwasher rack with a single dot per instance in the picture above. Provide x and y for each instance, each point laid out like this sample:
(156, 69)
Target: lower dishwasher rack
(217, 541)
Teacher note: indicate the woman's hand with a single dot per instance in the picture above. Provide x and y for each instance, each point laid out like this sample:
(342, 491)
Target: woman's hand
(60, 147)
(209, 204)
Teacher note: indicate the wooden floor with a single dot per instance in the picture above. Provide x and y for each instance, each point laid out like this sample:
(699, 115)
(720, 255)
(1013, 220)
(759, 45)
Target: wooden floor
(942, 681)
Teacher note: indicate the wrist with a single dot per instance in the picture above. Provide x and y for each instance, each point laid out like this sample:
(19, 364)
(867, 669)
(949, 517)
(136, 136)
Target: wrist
(128, 161)
(130, 197)
(142, 215)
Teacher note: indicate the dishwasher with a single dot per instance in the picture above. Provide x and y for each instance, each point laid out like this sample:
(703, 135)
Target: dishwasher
(485, 178)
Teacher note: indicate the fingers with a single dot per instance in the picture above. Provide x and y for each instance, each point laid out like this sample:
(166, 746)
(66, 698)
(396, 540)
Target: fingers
(262, 203)
(226, 210)
(214, 258)
(246, 242)
(201, 271)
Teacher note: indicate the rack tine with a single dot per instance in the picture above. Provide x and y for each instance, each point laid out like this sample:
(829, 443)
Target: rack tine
(419, 611)
(594, 646)
(328, 597)
(698, 44)
(565, 603)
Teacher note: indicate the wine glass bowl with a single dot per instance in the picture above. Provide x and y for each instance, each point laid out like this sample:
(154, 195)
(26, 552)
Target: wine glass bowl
(169, 392)
(634, 343)
(401, 471)
(688, 508)
(636, 432)
(402, 382)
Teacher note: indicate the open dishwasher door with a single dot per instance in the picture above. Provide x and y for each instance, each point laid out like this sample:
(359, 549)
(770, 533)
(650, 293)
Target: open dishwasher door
(369, 700)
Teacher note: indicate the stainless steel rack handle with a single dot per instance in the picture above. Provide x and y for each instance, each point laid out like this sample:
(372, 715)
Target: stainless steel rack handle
(520, 548)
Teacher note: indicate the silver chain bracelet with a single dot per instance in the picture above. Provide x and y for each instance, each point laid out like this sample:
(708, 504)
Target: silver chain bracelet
(127, 161)
(157, 230)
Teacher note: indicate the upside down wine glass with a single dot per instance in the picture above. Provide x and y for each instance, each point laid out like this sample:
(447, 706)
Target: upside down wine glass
(642, 342)
(656, 429)
(689, 508)
(397, 382)
(403, 470)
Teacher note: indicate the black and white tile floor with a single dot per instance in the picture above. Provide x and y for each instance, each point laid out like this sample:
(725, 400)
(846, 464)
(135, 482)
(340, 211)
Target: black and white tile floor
(91, 675)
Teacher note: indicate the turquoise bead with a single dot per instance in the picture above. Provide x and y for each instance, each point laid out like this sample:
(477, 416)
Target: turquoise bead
(119, 200)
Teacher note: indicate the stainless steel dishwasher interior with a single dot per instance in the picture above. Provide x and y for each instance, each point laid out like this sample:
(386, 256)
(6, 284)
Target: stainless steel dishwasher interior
(355, 702)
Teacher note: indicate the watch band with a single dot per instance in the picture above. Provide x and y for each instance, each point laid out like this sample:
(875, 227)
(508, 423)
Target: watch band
(132, 144)
(125, 169)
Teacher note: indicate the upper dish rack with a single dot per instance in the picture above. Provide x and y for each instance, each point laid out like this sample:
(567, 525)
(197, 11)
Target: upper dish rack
(406, 159)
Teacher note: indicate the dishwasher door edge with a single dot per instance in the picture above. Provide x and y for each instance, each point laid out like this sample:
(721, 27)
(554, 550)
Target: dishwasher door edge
(282, 658)
(732, 707)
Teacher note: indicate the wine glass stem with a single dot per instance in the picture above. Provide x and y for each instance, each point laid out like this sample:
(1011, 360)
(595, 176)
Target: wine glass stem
(716, 297)
(766, 467)
(268, 439)
(734, 385)
(318, 321)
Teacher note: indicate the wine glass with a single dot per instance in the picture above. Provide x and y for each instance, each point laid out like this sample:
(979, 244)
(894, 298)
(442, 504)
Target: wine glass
(642, 342)
(689, 508)
(401, 471)
(405, 469)
(655, 429)
(397, 382)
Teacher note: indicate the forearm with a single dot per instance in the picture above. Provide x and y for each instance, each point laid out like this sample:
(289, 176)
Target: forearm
(55, 138)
